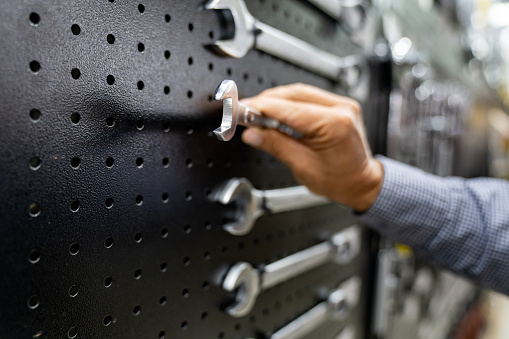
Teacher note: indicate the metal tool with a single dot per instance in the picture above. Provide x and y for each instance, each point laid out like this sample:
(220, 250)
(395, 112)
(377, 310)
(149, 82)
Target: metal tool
(337, 307)
(251, 33)
(350, 14)
(236, 113)
(248, 282)
(250, 203)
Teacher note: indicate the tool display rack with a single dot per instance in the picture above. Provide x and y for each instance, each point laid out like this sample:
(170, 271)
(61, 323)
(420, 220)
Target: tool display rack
(107, 164)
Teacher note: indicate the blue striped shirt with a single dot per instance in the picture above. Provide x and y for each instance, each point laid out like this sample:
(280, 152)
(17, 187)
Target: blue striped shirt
(458, 224)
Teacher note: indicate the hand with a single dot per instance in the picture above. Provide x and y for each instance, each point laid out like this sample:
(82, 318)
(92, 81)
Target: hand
(333, 158)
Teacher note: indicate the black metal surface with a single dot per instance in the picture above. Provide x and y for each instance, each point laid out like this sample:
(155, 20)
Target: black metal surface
(106, 161)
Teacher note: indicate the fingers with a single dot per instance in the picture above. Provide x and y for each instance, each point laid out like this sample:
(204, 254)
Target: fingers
(307, 93)
(281, 146)
(302, 117)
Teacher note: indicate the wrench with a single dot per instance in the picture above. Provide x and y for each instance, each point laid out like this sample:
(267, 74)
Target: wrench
(337, 307)
(251, 33)
(236, 113)
(248, 282)
(250, 203)
(350, 13)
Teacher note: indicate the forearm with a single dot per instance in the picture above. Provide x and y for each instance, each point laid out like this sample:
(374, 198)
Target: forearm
(461, 225)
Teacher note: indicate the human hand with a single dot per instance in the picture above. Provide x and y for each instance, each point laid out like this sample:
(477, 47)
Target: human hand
(333, 158)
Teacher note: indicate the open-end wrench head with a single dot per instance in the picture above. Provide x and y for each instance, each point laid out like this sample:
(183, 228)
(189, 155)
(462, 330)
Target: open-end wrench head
(245, 280)
(248, 203)
(228, 93)
(244, 38)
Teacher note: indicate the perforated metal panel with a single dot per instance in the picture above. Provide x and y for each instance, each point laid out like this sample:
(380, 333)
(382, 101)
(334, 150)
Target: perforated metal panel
(107, 160)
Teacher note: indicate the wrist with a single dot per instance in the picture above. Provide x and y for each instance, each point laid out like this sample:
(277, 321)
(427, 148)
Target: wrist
(369, 187)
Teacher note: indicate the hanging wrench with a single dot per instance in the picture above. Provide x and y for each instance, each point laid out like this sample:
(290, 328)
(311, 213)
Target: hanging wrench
(248, 282)
(236, 113)
(251, 33)
(337, 307)
(351, 14)
(250, 203)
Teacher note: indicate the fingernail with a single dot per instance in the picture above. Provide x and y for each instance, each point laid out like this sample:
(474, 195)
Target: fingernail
(252, 137)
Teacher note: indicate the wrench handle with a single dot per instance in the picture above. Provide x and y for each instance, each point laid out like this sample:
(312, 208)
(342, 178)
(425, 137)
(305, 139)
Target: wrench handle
(297, 52)
(291, 198)
(253, 117)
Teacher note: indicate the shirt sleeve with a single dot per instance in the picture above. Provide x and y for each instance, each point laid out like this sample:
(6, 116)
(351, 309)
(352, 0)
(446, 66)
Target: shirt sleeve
(454, 223)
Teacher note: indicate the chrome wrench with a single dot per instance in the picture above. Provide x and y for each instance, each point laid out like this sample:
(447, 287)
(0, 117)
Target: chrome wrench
(251, 33)
(248, 282)
(250, 203)
(337, 307)
(236, 113)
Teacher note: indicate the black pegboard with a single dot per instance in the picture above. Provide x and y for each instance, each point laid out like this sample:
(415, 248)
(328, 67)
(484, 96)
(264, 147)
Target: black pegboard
(107, 160)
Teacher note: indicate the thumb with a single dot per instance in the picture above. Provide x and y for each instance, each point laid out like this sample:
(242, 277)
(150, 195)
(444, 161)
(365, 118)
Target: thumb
(281, 146)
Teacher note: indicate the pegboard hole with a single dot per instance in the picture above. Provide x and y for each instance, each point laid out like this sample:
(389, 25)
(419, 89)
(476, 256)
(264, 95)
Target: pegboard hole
(187, 229)
(74, 249)
(75, 118)
(245, 76)
(34, 209)
(35, 66)
(187, 261)
(75, 162)
(204, 316)
(110, 79)
(166, 90)
(141, 8)
(137, 274)
(185, 293)
(166, 127)
(205, 286)
(188, 196)
(162, 301)
(184, 325)
(166, 162)
(109, 203)
(138, 200)
(34, 18)
(107, 320)
(237, 327)
(220, 335)
(141, 47)
(109, 162)
(229, 71)
(165, 197)
(138, 237)
(167, 18)
(189, 94)
(190, 26)
(35, 114)
(260, 80)
(189, 163)
(137, 310)
(211, 35)
(167, 54)
(140, 85)
(139, 162)
(189, 61)
(73, 332)
(210, 163)
(75, 73)
(108, 242)
(207, 256)
(108, 281)
(35, 163)
(73, 291)
(208, 226)
(75, 205)
(189, 130)
(164, 267)
(75, 29)
(110, 38)
(110, 121)
(34, 256)
(33, 302)
(164, 233)
(211, 67)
